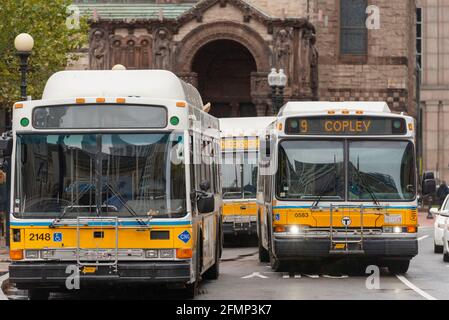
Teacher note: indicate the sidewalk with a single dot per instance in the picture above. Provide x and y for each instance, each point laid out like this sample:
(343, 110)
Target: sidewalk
(4, 261)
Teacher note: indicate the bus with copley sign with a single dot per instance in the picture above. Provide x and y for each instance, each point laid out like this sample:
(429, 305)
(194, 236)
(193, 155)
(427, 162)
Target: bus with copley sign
(116, 178)
(338, 180)
(240, 144)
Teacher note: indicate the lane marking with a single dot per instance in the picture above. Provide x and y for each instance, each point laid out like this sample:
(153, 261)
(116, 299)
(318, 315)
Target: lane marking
(343, 276)
(423, 237)
(3, 278)
(313, 276)
(254, 275)
(415, 288)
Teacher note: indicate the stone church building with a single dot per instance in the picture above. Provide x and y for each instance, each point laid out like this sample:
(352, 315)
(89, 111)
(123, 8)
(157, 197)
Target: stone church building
(354, 50)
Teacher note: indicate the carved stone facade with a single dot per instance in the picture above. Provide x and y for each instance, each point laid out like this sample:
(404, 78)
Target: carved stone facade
(259, 42)
(304, 37)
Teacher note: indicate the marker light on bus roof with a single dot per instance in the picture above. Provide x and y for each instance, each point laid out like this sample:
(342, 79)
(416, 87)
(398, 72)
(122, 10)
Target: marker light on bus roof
(331, 112)
(280, 126)
(410, 126)
(80, 100)
(359, 112)
(181, 104)
(345, 111)
(101, 100)
(174, 120)
(24, 122)
(18, 106)
(120, 100)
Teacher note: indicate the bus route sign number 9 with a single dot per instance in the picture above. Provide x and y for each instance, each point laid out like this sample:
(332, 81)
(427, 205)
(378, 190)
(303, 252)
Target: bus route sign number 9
(346, 125)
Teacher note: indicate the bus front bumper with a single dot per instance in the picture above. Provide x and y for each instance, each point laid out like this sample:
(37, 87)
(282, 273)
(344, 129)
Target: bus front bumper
(291, 248)
(239, 224)
(47, 274)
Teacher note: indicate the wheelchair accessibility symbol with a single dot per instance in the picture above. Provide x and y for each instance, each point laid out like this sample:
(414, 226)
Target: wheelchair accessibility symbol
(57, 237)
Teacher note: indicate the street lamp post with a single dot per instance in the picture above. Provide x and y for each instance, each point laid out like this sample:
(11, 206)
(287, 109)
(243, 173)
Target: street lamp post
(24, 43)
(272, 82)
(277, 82)
(282, 82)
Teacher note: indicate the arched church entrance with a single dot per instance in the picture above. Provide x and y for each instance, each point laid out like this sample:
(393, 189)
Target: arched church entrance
(223, 69)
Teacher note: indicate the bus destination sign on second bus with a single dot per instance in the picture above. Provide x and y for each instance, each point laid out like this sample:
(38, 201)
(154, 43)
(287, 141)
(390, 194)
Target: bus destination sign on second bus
(348, 125)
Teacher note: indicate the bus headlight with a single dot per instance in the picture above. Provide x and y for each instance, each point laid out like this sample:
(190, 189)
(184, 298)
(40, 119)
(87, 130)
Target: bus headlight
(395, 229)
(167, 253)
(297, 229)
(151, 254)
(47, 254)
(294, 229)
(32, 254)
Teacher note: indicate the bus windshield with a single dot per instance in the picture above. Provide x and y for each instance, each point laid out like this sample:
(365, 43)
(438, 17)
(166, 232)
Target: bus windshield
(239, 175)
(383, 168)
(124, 175)
(309, 170)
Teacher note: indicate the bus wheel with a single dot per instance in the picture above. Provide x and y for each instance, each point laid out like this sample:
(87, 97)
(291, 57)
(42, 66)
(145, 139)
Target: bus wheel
(275, 263)
(38, 294)
(398, 267)
(263, 253)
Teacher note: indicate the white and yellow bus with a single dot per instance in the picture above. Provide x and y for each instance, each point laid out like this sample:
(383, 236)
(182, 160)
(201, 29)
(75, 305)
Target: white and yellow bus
(239, 145)
(115, 176)
(338, 180)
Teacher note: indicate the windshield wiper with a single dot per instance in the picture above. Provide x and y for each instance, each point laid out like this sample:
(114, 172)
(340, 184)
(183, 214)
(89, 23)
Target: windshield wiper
(322, 191)
(70, 206)
(324, 188)
(366, 186)
(123, 202)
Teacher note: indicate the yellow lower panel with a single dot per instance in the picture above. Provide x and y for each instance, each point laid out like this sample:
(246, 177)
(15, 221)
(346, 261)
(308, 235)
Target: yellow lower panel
(371, 218)
(240, 208)
(128, 238)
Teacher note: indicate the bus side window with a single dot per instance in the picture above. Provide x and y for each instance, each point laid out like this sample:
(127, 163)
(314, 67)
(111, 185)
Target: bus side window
(267, 188)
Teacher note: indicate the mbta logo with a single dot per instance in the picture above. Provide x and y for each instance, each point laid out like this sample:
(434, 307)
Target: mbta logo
(346, 221)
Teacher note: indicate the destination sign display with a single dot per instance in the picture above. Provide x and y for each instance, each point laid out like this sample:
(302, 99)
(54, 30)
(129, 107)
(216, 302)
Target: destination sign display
(346, 125)
(240, 143)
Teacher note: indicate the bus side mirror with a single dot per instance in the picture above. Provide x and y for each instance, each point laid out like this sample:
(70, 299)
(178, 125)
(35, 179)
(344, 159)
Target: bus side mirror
(267, 146)
(429, 187)
(206, 203)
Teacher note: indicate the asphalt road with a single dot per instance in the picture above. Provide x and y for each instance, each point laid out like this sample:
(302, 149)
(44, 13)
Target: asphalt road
(243, 277)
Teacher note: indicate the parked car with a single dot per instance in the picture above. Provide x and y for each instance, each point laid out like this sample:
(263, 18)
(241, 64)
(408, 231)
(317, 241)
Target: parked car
(441, 217)
(446, 242)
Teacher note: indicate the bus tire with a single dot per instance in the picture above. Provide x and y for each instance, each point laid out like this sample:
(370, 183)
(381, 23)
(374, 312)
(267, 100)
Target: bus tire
(264, 256)
(274, 263)
(399, 266)
(38, 294)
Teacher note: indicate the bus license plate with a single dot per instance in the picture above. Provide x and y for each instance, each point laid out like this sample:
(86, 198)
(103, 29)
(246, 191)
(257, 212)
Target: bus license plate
(393, 219)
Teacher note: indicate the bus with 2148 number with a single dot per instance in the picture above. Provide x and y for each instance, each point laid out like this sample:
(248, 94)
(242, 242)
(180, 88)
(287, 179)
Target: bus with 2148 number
(115, 179)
